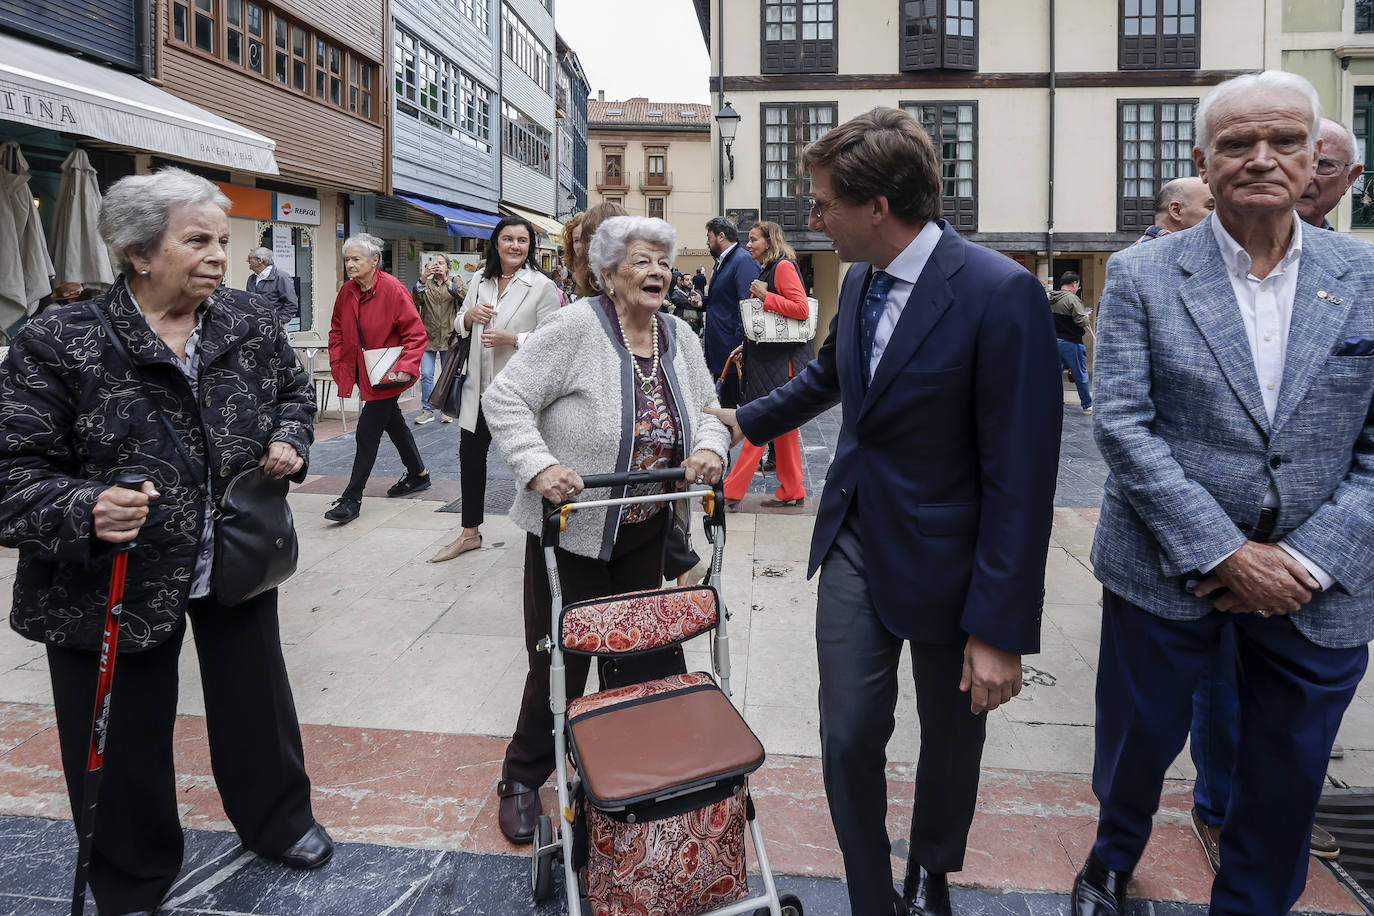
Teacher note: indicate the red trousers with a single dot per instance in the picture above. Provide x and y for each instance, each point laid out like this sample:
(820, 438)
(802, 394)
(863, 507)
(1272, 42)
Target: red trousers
(787, 452)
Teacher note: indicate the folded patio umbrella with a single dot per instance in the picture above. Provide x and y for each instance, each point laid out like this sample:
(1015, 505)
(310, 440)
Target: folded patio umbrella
(78, 253)
(21, 230)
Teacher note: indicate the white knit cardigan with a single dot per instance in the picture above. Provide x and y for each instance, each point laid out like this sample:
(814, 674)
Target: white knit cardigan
(567, 397)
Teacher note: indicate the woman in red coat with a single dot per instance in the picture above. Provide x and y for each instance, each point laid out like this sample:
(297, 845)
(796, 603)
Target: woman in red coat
(374, 304)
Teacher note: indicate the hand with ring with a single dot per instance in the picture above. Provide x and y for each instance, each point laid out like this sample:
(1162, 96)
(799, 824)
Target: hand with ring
(557, 483)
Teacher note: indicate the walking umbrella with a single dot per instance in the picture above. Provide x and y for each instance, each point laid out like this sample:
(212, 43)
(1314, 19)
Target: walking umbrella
(21, 230)
(78, 253)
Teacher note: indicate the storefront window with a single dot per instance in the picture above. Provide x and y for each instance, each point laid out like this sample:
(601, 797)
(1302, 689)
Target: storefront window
(293, 249)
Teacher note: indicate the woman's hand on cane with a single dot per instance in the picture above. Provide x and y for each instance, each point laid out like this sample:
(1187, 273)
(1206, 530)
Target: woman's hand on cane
(119, 513)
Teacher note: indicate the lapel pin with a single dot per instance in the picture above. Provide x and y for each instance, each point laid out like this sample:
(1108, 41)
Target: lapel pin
(1323, 294)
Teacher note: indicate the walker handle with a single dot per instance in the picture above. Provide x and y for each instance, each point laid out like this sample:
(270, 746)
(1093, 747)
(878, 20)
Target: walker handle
(630, 478)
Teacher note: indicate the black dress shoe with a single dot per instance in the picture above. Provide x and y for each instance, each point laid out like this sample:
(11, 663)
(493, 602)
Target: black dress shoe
(310, 851)
(925, 893)
(519, 811)
(1099, 890)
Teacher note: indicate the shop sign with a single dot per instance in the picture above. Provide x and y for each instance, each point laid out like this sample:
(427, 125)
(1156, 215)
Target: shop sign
(288, 208)
(249, 203)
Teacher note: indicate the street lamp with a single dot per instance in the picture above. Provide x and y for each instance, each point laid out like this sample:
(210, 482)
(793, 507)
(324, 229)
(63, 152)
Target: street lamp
(572, 203)
(728, 123)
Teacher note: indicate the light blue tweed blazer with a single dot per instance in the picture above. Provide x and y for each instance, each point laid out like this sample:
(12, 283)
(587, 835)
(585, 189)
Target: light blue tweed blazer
(1178, 416)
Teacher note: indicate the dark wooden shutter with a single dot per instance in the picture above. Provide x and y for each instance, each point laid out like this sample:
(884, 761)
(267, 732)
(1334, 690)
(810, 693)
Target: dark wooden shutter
(102, 29)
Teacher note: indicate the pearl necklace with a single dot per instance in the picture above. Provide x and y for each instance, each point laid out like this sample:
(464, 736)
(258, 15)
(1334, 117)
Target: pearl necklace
(646, 382)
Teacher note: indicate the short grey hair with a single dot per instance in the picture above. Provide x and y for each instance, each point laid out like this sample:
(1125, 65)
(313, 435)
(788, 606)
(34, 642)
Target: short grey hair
(367, 242)
(1346, 133)
(1265, 80)
(262, 254)
(136, 209)
(613, 238)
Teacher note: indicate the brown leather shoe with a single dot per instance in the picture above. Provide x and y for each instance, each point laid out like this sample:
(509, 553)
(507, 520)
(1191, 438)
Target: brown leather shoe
(1324, 845)
(771, 503)
(519, 811)
(1210, 838)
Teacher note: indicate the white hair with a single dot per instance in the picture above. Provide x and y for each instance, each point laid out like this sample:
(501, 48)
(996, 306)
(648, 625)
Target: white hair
(367, 242)
(136, 209)
(613, 237)
(1346, 133)
(262, 254)
(1273, 81)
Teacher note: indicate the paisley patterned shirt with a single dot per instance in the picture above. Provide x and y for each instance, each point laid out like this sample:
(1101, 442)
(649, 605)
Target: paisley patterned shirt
(658, 430)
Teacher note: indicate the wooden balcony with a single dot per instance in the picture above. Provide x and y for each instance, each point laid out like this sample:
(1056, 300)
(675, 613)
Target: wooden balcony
(655, 181)
(611, 181)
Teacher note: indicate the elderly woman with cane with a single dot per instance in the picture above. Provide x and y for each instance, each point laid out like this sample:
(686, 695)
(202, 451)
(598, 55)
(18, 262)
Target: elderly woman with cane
(181, 383)
(605, 385)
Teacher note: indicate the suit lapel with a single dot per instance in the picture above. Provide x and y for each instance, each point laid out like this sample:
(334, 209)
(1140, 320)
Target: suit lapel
(847, 355)
(1210, 300)
(930, 298)
(1316, 324)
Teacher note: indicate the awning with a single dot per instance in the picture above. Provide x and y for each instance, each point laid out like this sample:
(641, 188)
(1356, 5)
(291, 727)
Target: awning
(543, 223)
(468, 224)
(42, 87)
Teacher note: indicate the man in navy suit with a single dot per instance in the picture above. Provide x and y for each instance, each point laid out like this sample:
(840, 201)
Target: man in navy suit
(730, 280)
(935, 521)
(1233, 409)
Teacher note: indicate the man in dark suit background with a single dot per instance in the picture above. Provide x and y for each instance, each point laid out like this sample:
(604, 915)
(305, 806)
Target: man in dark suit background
(935, 522)
(730, 280)
(275, 288)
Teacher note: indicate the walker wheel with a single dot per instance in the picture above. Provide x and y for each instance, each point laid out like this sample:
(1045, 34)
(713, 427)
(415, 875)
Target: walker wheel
(790, 905)
(541, 860)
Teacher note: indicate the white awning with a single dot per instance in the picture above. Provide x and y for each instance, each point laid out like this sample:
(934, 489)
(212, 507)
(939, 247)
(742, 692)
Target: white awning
(543, 223)
(47, 88)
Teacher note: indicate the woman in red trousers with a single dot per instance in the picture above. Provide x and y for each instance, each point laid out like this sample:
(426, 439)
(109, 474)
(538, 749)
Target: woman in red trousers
(769, 365)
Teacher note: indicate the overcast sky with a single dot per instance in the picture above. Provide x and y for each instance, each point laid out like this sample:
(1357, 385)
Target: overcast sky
(634, 47)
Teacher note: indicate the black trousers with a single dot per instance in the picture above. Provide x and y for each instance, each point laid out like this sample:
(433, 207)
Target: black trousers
(472, 465)
(636, 563)
(255, 748)
(375, 418)
(858, 695)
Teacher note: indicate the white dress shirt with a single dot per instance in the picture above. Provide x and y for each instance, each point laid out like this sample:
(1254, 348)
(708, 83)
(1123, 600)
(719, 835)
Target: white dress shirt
(721, 259)
(1266, 307)
(905, 270)
(263, 274)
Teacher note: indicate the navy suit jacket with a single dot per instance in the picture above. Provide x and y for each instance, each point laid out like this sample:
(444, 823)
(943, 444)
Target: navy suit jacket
(724, 328)
(950, 455)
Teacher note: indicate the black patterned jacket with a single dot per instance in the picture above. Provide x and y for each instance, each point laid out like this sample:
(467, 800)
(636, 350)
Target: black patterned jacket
(74, 413)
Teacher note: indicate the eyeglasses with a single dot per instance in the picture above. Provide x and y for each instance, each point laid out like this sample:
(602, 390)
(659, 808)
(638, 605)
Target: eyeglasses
(818, 208)
(1328, 167)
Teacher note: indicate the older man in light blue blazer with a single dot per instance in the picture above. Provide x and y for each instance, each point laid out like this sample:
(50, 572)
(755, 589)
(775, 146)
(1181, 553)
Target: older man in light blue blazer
(1235, 378)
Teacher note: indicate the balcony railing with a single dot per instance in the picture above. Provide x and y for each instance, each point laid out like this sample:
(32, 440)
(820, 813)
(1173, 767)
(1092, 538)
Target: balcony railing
(611, 179)
(660, 181)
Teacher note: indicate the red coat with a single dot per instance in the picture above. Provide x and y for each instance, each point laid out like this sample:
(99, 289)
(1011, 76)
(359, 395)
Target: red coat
(388, 318)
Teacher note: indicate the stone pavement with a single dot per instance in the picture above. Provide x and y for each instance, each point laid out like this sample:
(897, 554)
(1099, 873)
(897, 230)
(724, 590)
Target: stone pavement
(407, 678)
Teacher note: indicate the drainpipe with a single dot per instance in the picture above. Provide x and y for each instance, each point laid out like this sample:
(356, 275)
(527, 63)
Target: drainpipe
(143, 24)
(720, 104)
(1049, 223)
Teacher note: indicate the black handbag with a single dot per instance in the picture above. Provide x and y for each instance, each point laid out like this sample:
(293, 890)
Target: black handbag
(256, 548)
(447, 395)
(255, 537)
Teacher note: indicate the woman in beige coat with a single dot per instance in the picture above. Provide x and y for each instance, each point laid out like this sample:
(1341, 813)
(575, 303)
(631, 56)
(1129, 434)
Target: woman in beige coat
(509, 300)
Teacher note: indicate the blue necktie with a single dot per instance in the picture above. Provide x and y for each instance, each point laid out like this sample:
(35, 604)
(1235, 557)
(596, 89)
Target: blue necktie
(875, 303)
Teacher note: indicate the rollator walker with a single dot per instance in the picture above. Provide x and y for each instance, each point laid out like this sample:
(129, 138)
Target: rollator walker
(652, 811)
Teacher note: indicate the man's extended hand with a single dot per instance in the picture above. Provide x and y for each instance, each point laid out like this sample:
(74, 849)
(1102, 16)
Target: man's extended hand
(1259, 577)
(726, 415)
(991, 676)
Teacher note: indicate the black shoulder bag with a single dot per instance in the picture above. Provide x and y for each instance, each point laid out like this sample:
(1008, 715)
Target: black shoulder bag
(447, 395)
(255, 536)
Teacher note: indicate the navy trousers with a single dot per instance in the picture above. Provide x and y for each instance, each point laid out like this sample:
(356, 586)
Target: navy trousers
(1292, 696)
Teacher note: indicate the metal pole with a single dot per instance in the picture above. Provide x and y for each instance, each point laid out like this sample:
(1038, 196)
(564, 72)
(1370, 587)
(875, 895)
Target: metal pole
(1049, 225)
(720, 105)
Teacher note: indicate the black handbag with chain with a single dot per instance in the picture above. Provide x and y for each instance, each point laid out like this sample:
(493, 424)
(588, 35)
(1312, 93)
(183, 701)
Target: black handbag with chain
(256, 548)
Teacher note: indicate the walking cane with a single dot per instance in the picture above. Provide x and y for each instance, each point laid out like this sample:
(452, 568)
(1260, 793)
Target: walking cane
(95, 758)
